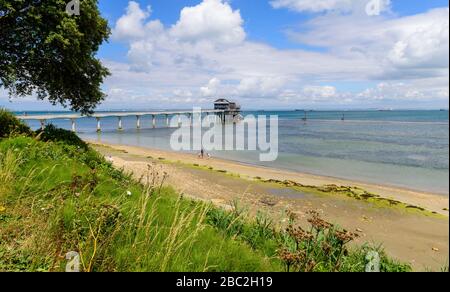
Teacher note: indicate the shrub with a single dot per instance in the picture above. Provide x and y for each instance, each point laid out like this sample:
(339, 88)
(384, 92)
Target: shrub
(54, 134)
(10, 125)
(74, 147)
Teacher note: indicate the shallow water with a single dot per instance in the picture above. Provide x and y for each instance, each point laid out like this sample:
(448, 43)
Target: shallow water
(400, 148)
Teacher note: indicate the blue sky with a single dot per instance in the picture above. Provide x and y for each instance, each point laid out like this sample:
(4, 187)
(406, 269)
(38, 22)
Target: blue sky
(322, 54)
(262, 22)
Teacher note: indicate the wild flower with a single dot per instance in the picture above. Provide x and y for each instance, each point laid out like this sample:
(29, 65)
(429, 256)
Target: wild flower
(327, 248)
(292, 217)
(299, 234)
(345, 236)
(323, 247)
(318, 223)
(291, 259)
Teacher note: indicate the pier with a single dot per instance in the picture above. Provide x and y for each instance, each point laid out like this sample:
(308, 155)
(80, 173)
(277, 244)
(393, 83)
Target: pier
(120, 115)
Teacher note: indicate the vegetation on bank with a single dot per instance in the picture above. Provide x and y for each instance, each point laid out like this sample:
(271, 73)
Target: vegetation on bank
(10, 126)
(57, 195)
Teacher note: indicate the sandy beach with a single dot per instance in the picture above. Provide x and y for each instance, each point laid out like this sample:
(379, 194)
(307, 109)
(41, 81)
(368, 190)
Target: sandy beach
(415, 238)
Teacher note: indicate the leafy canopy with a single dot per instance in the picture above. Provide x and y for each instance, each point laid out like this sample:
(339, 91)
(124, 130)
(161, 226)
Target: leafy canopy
(44, 50)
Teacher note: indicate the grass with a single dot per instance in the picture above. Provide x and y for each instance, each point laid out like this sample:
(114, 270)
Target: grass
(56, 198)
(57, 195)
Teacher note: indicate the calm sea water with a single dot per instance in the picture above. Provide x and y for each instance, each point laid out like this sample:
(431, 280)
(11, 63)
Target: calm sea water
(401, 148)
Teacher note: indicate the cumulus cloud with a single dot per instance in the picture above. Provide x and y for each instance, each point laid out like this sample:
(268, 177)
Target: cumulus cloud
(425, 45)
(130, 25)
(400, 48)
(210, 90)
(268, 86)
(320, 92)
(211, 20)
(205, 54)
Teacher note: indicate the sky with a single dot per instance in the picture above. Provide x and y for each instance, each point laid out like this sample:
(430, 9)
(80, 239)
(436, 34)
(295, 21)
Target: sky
(273, 54)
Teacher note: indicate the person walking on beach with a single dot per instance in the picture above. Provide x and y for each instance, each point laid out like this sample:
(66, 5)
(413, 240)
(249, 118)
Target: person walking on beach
(204, 154)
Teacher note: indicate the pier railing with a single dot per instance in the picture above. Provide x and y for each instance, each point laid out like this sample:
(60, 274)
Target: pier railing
(99, 116)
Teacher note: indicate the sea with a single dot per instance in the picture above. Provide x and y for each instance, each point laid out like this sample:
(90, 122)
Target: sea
(408, 149)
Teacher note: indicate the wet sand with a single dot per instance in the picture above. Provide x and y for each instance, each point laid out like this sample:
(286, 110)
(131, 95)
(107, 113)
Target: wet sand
(420, 240)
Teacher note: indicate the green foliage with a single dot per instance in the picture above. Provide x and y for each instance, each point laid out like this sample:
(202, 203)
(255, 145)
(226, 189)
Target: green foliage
(230, 222)
(56, 202)
(46, 51)
(10, 125)
(54, 134)
(22, 261)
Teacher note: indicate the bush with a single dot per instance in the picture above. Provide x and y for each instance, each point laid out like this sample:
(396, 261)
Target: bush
(10, 125)
(52, 133)
(73, 146)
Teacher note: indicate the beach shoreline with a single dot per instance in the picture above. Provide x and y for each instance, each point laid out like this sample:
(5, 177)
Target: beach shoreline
(411, 236)
(433, 202)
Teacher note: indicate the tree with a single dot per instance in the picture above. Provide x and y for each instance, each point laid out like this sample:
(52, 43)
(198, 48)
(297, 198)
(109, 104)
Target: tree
(47, 52)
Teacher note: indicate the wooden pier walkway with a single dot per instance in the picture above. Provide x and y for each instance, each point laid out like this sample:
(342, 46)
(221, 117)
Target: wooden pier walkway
(119, 115)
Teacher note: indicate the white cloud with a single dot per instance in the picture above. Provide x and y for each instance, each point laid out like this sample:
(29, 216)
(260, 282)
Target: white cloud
(398, 48)
(269, 86)
(130, 25)
(402, 91)
(313, 5)
(210, 90)
(211, 20)
(320, 92)
(379, 96)
(373, 7)
(182, 93)
(426, 45)
(205, 55)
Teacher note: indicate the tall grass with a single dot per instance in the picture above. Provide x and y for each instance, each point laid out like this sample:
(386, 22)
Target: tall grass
(60, 198)
(9, 163)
